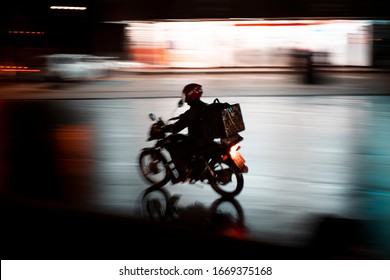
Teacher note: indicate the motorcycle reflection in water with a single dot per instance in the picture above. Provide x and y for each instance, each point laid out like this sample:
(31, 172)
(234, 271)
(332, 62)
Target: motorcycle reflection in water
(223, 217)
(221, 166)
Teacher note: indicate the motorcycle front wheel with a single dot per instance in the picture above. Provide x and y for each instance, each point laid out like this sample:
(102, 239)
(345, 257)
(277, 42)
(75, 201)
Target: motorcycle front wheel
(228, 180)
(153, 167)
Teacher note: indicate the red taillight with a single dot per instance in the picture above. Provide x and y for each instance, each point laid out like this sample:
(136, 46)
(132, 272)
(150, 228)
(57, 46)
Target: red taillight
(235, 147)
(238, 158)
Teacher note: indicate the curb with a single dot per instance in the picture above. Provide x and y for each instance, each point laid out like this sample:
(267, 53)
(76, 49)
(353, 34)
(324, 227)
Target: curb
(176, 71)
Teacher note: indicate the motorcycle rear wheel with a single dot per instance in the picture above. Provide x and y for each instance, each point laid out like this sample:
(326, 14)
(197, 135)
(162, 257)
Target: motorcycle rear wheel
(154, 167)
(228, 180)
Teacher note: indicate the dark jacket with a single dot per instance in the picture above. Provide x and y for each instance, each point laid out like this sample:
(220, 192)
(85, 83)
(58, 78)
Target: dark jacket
(191, 119)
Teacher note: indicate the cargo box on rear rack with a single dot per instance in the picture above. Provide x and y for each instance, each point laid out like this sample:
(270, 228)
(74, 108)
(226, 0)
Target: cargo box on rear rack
(222, 120)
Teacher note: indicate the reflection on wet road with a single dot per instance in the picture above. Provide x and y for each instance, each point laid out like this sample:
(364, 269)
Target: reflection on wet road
(315, 164)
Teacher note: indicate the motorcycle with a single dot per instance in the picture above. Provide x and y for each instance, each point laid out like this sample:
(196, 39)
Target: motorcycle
(222, 169)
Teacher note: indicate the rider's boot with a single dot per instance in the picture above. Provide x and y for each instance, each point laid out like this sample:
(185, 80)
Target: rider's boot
(183, 176)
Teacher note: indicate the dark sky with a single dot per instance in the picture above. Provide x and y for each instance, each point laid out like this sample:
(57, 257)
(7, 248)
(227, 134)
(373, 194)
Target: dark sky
(153, 9)
(20, 11)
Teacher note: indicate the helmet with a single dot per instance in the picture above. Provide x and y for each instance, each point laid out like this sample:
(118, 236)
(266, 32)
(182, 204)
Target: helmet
(192, 92)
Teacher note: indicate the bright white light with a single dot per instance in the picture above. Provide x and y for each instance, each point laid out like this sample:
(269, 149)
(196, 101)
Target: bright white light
(67, 8)
(248, 43)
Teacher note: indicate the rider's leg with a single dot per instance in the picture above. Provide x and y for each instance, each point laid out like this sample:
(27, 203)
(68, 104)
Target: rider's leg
(180, 157)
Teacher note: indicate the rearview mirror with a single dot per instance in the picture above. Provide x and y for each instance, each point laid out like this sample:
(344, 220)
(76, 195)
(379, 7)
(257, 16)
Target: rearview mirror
(152, 116)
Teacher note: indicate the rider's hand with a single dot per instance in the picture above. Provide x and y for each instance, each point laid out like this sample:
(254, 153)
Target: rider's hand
(161, 123)
(167, 128)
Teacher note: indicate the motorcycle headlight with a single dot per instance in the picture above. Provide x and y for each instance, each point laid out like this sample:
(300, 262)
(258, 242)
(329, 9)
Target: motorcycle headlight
(156, 132)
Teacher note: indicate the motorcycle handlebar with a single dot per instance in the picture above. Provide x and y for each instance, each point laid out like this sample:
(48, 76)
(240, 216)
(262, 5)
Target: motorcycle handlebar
(174, 118)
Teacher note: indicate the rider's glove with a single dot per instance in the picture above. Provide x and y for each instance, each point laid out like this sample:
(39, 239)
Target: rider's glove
(160, 123)
(167, 128)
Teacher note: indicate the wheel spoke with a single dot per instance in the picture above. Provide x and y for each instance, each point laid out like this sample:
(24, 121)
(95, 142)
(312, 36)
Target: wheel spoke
(153, 167)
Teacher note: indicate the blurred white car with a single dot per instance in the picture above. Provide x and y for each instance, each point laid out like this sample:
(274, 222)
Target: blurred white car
(75, 67)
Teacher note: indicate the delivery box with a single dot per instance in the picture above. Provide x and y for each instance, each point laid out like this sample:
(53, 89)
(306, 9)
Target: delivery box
(222, 120)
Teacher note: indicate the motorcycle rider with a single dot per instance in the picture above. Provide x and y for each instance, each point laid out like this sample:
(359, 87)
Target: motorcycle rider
(191, 119)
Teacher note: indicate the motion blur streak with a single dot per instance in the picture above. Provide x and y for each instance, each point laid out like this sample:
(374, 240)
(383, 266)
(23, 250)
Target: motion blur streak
(249, 43)
(74, 157)
(68, 8)
(374, 175)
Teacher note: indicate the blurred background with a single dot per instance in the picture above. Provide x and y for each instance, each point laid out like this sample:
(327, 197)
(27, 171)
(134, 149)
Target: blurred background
(79, 78)
(196, 33)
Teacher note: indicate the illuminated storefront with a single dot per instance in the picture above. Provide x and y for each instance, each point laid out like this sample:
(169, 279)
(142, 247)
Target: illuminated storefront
(240, 43)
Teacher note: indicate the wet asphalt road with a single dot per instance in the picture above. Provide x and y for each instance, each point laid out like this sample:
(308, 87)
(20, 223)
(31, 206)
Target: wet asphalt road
(318, 158)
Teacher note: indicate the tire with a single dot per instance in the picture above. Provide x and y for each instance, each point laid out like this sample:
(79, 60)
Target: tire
(155, 204)
(230, 207)
(159, 204)
(154, 167)
(228, 180)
